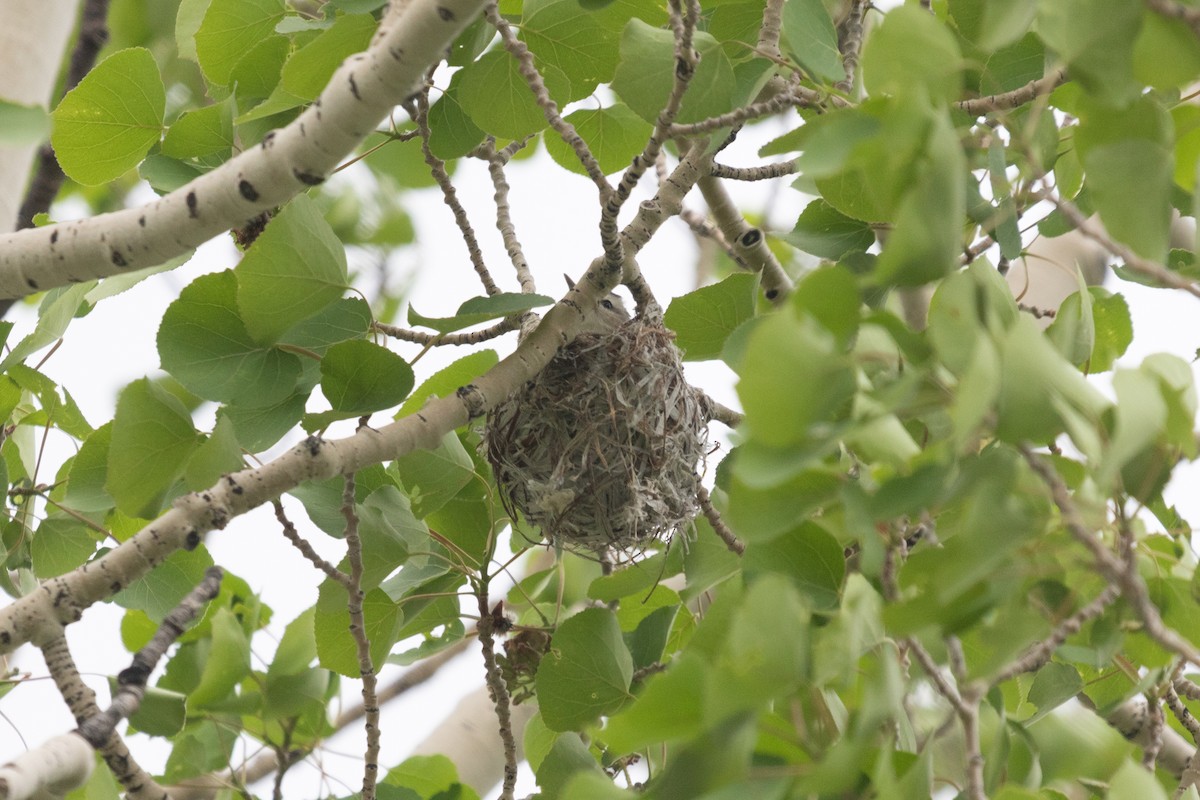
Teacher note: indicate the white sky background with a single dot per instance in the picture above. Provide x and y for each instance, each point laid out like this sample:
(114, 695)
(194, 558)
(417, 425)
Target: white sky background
(556, 217)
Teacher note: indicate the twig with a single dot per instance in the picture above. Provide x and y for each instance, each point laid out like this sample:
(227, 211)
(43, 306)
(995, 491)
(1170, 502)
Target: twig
(794, 97)
(686, 60)
(81, 700)
(1143, 266)
(1124, 575)
(497, 689)
(713, 516)
(438, 339)
(504, 223)
(850, 41)
(362, 644)
(1174, 10)
(723, 414)
(748, 241)
(1035, 657)
(1017, 97)
(541, 95)
(419, 110)
(764, 172)
(306, 549)
(771, 28)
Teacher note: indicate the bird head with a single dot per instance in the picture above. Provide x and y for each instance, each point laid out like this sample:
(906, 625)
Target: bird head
(610, 313)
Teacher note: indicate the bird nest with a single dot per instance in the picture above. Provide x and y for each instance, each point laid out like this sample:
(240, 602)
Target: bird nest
(601, 448)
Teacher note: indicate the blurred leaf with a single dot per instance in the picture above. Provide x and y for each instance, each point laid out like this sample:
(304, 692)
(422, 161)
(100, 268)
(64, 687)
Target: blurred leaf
(229, 29)
(912, 49)
(152, 439)
(227, 663)
(812, 40)
(22, 125)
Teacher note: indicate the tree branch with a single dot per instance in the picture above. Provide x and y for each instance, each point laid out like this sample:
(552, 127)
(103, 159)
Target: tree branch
(1017, 97)
(360, 95)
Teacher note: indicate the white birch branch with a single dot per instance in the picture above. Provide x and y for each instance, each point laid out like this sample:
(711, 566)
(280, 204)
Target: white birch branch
(32, 40)
(362, 92)
(50, 770)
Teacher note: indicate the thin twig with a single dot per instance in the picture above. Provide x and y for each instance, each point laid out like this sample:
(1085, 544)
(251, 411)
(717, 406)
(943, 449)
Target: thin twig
(1125, 576)
(504, 222)
(541, 95)
(438, 339)
(713, 516)
(1175, 10)
(763, 172)
(1036, 656)
(362, 643)
(850, 40)
(794, 97)
(1017, 97)
(497, 689)
(1143, 266)
(306, 549)
(419, 110)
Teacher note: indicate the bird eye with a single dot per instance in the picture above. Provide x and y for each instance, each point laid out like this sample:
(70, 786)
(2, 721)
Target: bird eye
(607, 304)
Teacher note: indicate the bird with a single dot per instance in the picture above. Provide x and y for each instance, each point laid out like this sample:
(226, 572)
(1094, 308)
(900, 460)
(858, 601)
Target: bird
(610, 313)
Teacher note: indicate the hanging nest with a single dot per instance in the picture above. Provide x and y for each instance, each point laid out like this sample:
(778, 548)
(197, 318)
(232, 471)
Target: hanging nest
(601, 448)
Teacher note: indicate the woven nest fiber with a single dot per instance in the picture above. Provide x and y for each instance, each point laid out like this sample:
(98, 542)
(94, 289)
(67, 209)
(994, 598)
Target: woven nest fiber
(601, 449)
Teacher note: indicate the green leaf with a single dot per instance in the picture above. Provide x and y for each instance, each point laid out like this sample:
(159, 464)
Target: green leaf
(105, 125)
(1114, 329)
(1073, 330)
(646, 74)
(335, 646)
(812, 40)
(22, 125)
(481, 309)
(231, 28)
(89, 471)
(187, 22)
(910, 49)
(309, 69)
(1165, 54)
(296, 268)
(297, 647)
(672, 706)
(573, 43)
(792, 377)
(1128, 158)
(152, 439)
(827, 233)
(204, 344)
(160, 713)
(1134, 780)
(201, 132)
(705, 318)
(362, 377)
(428, 776)
(219, 455)
(927, 238)
(755, 662)
(498, 100)
(227, 663)
(568, 757)
(448, 380)
(60, 545)
(58, 308)
(809, 557)
(433, 477)
(587, 672)
(161, 589)
(1095, 38)
(614, 135)
(452, 134)
(259, 427)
